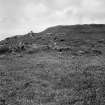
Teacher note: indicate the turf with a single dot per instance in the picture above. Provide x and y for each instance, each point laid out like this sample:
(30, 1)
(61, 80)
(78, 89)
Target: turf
(49, 78)
(72, 72)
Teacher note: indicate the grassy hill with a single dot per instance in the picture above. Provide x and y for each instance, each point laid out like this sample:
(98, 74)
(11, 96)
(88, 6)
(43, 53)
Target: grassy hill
(92, 31)
(63, 65)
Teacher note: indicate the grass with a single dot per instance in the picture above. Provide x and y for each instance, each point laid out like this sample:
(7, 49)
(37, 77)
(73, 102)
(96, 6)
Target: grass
(71, 74)
(47, 79)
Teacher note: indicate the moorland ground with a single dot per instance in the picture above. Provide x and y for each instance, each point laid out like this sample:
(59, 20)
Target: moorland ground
(71, 75)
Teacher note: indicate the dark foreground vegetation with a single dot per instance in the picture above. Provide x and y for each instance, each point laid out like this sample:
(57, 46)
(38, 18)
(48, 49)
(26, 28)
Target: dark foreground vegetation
(63, 65)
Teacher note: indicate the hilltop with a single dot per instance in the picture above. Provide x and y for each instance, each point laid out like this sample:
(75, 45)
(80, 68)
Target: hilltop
(83, 37)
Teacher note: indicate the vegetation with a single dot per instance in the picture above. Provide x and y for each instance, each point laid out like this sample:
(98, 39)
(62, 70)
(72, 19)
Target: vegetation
(53, 67)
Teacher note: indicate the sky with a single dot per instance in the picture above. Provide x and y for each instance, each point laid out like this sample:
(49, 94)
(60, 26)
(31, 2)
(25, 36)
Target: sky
(18, 17)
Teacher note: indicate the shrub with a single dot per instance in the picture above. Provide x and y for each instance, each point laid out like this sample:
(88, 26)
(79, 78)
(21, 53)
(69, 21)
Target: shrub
(4, 49)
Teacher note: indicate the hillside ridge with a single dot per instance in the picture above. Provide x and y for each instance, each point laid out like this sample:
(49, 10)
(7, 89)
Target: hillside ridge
(56, 37)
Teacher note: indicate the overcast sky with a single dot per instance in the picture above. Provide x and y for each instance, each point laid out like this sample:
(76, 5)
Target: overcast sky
(21, 16)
